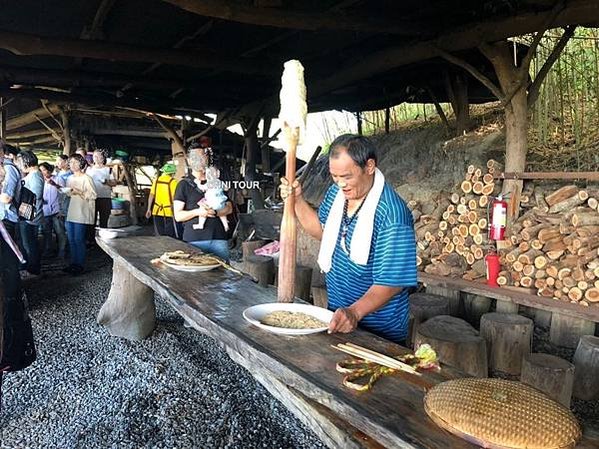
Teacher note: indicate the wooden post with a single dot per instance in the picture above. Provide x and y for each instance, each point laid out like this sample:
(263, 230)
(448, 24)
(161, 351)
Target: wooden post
(265, 149)
(303, 282)
(566, 330)
(586, 361)
(252, 148)
(387, 120)
(542, 318)
(456, 342)
(129, 311)
(453, 296)
(261, 268)
(66, 132)
(509, 338)
(359, 119)
(3, 116)
(424, 306)
(319, 296)
(550, 374)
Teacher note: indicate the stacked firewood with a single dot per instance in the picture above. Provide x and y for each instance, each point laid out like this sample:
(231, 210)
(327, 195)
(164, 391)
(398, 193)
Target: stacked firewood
(452, 239)
(553, 248)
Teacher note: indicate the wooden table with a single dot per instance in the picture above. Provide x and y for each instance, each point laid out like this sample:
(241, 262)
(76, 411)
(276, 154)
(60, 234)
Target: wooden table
(299, 371)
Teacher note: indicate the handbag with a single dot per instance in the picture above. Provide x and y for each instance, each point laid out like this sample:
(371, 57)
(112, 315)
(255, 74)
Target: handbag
(17, 347)
(27, 203)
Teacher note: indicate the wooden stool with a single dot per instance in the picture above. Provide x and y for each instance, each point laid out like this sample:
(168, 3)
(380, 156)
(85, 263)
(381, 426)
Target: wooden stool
(509, 338)
(475, 306)
(456, 342)
(424, 306)
(261, 268)
(503, 306)
(303, 281)
(552, 375)
(454, 297)
(566, 330)
(247, 248)
(586, 361)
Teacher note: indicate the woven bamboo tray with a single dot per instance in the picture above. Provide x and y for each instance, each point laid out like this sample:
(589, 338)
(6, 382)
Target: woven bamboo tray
(501, 414)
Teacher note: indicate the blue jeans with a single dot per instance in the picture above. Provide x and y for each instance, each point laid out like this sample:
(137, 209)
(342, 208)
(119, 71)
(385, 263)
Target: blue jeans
(219, 248)
(76, 233)
(31, 246)
(57, 223)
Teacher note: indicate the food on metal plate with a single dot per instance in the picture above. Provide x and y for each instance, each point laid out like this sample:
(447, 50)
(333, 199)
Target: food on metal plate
(189, 259)
(292, 320)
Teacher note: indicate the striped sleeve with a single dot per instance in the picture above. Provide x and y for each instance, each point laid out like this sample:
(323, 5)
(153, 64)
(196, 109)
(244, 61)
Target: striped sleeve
(327, 203)
(394, 263)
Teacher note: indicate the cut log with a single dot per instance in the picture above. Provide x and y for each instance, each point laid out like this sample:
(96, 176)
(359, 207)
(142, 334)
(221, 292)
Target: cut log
(590, 218)
(261, 268)
(455, 198)
(478, 187)
(529, 256)
(565, 331)
(561, 194)
(536, 244)
(532, 232)
(494, 167)
(593, 203)
(248, 248)
(557, 244)
(592, 294)
(548, 234)
(456, 342)
(540, 262)
(466, 186)
(488, 189)
(509, 339)
(478, 239)
(505, 306)
(424, 306)
(575, 294)
(129, 311)
(552, 375)
(539, 197)
(526, 282)
(586, 372)
(504, 278)
(569, 203)
(475, 306)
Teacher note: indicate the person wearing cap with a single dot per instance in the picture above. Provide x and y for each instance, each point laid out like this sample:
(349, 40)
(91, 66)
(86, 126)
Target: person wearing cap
(160, 203)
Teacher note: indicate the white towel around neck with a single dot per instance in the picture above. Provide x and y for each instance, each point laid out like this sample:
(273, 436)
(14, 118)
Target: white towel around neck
(362, 235)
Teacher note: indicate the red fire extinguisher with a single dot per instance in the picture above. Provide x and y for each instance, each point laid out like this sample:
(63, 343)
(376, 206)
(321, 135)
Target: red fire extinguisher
(493, 268)
(498, 218)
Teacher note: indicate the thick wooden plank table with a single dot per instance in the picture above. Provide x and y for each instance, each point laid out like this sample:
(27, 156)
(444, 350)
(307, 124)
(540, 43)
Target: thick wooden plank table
(300, 370)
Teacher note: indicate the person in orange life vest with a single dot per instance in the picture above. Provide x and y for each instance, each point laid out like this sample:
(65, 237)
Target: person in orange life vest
(160, 203)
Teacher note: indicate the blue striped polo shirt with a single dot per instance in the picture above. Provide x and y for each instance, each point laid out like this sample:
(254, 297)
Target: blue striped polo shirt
(391, 262)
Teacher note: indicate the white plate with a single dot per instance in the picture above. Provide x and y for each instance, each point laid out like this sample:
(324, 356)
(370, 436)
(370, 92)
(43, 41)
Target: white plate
(255, 314)
(192, 269)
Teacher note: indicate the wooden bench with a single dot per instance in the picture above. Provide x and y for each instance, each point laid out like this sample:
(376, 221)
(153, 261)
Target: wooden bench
(299, 371)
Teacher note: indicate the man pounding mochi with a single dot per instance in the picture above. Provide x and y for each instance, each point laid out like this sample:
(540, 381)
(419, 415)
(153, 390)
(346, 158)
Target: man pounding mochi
(368, 246)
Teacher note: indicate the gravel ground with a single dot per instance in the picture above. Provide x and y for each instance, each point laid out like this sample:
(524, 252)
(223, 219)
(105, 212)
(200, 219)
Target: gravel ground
(176, 389)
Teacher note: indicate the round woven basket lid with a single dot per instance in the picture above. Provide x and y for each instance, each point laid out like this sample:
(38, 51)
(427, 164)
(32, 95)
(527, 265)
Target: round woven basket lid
(501, 414)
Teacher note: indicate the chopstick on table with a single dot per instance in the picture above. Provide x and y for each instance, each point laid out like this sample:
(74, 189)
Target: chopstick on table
(375, 357)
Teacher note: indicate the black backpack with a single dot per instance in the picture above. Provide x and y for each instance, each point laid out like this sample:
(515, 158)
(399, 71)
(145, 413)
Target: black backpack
(27, 203)
(17, 347)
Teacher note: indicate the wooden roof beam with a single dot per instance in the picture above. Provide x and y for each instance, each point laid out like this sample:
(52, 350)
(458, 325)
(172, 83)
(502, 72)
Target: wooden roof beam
(29, 44)
(575, 12)
(284, 18)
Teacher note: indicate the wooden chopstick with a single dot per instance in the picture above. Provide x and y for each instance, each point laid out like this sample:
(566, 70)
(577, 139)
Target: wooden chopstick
(376, 357)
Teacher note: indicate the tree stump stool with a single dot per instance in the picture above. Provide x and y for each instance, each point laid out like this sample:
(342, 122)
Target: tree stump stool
(509, 339)
(586, 374)
(247, 248)
(475, 306)
(456, 342)
(129, 310)
(261, 268)
(566, 330)
(303, 281)
(424, 306)
(454, 297)
(552, 375)
(503, 306)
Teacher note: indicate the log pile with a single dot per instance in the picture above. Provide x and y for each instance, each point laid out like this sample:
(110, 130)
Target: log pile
(553, 248)
(452, 233)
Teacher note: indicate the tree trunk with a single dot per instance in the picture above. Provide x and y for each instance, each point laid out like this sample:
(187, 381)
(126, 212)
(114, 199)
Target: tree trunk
(586, 362)
(550, 374)
(66, 126)
(129, 311)
(252, 147)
